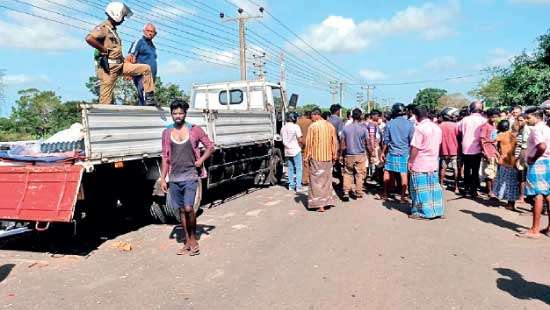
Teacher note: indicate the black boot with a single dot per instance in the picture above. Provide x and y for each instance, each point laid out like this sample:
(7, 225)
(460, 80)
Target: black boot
(150, 99)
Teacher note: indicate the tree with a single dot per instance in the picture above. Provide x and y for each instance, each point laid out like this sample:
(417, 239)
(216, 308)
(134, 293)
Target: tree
(37, 114)
(453, 100)
(525, 82)
(490, 90)
(306, 107)
(125, 91)
(429, 97)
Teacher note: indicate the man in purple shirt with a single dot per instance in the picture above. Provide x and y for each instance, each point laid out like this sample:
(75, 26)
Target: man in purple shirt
(352, 143)
(182, 163)
(470, 129)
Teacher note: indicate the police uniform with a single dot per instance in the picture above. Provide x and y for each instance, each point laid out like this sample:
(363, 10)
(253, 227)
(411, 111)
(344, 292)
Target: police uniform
(106, 33)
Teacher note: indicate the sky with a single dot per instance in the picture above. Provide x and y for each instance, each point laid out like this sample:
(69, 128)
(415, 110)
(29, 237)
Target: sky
(355, 42)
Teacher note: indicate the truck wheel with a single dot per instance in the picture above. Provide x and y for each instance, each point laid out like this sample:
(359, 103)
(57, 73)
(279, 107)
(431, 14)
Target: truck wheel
(157, 213)
(275, 167)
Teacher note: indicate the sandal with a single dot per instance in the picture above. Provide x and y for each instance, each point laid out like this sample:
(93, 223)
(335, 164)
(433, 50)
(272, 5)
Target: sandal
(194, 251)
(528, 235)
(183, 251)
(417, 217)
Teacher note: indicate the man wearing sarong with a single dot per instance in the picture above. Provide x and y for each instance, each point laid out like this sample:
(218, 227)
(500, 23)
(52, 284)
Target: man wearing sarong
(538, 170)
(425, 189)
(321, 153)
(395, 152)
(304, 122)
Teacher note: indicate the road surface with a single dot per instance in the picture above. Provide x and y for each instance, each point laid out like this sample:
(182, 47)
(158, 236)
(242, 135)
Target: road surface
(264, 250)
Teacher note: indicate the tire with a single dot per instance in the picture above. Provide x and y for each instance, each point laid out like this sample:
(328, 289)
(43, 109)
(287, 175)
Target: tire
(275, 167)
(173, 213)
(157, 213)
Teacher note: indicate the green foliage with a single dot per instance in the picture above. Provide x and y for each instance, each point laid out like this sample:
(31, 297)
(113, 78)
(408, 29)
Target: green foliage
(526, 82)
(37, 114)
(306, 107)
(125, 91)
(429, 97)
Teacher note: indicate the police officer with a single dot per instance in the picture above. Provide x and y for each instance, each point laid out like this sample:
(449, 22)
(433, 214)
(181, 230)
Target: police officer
(110, 61)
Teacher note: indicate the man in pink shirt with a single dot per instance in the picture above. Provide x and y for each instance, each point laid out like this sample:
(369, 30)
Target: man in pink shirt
(425, 189)
(538, 170)
(470, 130)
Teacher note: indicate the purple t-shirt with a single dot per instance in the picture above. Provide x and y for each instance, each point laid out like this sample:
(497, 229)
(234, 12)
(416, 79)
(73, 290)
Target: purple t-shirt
(355, 136)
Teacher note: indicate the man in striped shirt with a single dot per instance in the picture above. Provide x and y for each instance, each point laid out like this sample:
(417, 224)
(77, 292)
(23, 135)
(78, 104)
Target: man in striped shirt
(321, 153)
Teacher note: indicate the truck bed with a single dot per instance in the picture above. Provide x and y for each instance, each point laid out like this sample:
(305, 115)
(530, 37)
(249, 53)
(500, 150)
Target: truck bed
(118, 133)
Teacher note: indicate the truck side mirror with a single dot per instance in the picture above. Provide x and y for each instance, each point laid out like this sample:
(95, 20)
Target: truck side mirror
(293, 102)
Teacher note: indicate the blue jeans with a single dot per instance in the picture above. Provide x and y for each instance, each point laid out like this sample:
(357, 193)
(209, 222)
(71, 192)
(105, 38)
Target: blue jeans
(295, 172)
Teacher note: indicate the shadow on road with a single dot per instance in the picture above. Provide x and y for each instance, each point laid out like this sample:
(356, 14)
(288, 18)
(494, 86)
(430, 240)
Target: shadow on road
(514, 284)
(397, 205)
(178, 233)
(495, 220)
(5, 271)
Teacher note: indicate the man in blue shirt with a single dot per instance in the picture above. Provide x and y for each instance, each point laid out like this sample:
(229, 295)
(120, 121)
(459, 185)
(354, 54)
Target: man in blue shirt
(143, 51)
(395, 152)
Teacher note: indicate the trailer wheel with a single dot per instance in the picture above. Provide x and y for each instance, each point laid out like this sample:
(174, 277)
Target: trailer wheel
(157, 213)
(275, 167)
(174, 213)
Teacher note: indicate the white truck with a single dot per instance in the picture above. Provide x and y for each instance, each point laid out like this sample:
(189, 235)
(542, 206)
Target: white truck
(122, 147)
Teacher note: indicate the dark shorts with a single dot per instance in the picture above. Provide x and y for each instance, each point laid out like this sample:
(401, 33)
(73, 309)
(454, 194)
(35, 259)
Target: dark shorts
(183, 193)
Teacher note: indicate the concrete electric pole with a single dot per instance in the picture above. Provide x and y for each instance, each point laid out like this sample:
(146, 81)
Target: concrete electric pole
(259, 66)
(333, 90)
(241, 20)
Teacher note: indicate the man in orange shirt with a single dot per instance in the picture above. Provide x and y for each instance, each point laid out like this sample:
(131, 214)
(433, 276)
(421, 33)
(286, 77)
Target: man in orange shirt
(320, 153)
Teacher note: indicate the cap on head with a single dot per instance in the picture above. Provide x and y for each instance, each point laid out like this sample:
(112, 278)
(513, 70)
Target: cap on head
(398, 109)
(117, 11)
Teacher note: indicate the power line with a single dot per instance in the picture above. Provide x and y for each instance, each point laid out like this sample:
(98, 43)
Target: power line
(425, 81)
(305, 42)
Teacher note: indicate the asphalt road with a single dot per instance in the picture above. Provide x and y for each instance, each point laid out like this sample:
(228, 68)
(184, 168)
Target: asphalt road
(264, 250)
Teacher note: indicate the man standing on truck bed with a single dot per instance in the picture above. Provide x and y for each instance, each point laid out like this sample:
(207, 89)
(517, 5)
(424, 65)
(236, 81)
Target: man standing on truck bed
(110, 63)
(183, 164)
(143, 51)
(321, 153)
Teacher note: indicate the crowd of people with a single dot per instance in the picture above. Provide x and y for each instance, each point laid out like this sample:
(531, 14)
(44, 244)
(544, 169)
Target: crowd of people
(412, 154)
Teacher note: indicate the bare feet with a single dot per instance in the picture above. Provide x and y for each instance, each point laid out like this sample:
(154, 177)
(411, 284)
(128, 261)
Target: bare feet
(321, 209)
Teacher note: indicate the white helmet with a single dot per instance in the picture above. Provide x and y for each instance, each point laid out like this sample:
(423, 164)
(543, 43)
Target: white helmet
(117, 11)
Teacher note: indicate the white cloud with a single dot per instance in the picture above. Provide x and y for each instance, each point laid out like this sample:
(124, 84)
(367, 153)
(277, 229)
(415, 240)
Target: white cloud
(23, 31)
(531, 1)
(372, 75)
(341, 34)
(175, 67)
(441, 64)
(172, 12)
(500, 57)
(24, 79)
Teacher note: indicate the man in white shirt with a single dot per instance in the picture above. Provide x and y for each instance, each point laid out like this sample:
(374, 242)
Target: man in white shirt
(292, 138)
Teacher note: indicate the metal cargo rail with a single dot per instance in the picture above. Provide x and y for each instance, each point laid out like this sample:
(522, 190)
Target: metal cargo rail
(117, 133)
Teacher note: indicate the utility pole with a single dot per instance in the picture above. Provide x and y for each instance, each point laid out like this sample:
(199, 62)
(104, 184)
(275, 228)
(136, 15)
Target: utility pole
(259, 66)
(333, 90)
(360, 98)
(369, 88)
(341, 94)
(241, 20)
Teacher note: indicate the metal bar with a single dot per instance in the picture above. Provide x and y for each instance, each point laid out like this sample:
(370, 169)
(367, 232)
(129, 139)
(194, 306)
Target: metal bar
(238, 161)
(13, 232)
(237, 177)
